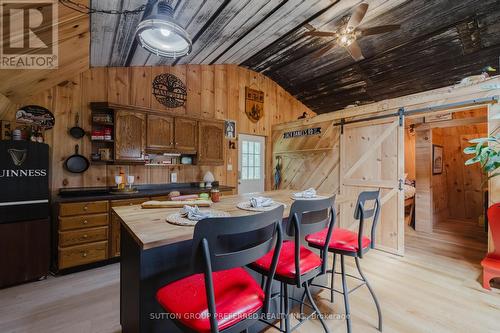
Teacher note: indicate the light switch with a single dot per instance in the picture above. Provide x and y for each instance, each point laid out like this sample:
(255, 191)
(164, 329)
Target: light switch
(173, 177)
(229, 167)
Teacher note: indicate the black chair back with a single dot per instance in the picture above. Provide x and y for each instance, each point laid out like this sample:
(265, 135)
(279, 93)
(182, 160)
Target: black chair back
(228, 242)
(367, 199)
(307, 217)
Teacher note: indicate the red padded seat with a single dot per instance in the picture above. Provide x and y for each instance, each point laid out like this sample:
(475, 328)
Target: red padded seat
(342, 239)
(286, 263)
(237, 296)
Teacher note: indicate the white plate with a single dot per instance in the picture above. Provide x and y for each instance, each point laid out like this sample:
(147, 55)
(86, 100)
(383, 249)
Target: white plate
(317, 197)
(245, 205)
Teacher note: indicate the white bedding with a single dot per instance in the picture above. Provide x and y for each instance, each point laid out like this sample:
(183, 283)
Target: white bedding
(409, 191)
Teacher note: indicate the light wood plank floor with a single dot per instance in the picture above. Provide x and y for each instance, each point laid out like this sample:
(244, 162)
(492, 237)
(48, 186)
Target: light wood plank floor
(434, 288)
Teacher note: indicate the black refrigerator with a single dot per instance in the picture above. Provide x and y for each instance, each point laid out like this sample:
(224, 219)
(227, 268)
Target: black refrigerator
(24, 212)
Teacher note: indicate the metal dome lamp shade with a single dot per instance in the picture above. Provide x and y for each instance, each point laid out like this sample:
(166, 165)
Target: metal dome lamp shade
(161, 35)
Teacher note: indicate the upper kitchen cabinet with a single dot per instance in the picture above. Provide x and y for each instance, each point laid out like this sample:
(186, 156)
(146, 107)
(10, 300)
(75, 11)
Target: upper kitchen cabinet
(160, 134)
(186, 134)
(130, 135)
(211, 143)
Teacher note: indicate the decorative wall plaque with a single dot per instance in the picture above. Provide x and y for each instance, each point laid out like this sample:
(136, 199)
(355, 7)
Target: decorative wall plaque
(254, 104)
(169, 90)
(304, 132)
(35, 115)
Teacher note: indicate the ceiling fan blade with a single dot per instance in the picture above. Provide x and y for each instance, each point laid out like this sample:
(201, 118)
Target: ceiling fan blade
(309, 27)
(379, 30)
(319, 53)
(355, 51)
(357, 16)
(320, 33)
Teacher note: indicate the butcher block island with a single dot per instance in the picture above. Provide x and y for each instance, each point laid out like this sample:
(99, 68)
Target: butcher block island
(155, 252)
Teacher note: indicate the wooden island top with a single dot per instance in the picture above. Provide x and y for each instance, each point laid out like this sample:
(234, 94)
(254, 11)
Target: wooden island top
(149, 228)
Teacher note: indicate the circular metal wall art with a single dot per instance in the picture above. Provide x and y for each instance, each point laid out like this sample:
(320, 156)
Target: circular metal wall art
(169, 90)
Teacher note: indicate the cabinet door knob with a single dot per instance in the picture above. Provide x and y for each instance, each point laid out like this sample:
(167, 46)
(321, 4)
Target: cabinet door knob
(85, 236)
(85, 207)
(85, 221)
(84, 254)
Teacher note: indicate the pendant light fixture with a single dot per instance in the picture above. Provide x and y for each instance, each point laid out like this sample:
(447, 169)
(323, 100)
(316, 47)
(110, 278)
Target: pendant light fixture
(161, 35)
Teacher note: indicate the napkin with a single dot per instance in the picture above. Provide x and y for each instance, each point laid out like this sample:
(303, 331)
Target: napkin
(194, 213)
(309, 193)
(258, 202)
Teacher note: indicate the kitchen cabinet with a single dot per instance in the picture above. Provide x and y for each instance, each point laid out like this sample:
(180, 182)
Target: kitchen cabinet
(211, 143)
(114, 237)
(160, 133)
(130, 135)
(186, 134)
(82, 233)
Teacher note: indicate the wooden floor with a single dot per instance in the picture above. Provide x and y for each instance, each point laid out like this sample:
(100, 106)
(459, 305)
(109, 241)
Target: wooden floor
(434, 288)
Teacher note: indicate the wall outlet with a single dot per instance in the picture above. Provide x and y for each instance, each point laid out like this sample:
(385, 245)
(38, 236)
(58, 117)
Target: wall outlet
(173, 177)
(229, 167)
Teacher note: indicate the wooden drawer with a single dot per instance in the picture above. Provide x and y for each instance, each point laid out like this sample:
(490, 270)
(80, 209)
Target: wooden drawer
(80, 208)
(82, 254)
(84, 221)
(161, 198)
(128, 202)
(82, 236)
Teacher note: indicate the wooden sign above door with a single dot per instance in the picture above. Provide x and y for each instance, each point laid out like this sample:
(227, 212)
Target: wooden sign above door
(254, 104)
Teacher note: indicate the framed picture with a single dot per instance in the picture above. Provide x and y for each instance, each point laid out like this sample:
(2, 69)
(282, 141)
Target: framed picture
(437, 159)
(230, 129)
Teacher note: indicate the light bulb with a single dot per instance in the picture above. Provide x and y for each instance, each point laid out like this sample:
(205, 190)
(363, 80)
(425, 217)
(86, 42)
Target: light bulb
(165, 32)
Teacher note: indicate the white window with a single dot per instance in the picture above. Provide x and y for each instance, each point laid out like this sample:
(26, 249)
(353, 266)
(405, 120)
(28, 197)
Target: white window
(251, 160)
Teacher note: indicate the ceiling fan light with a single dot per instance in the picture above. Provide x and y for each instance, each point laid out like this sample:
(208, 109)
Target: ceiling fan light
(346, 40)
(162, 36)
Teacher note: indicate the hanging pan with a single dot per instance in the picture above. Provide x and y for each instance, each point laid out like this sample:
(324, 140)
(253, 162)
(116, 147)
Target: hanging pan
(77, 163)
(77, 132)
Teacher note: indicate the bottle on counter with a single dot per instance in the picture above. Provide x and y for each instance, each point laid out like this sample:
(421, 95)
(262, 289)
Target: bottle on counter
(122, 184)
(215, 195)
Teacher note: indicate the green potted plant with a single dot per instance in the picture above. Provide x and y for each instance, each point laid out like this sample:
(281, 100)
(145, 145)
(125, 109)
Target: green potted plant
(487, 153)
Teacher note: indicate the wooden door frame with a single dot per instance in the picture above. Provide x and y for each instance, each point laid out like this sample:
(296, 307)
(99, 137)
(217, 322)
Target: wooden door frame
(424, 208)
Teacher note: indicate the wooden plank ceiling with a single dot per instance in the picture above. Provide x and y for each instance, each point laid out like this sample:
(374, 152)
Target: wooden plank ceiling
(439, 43)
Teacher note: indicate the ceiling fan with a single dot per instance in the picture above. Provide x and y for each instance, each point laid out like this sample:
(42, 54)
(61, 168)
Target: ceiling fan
(348, 33)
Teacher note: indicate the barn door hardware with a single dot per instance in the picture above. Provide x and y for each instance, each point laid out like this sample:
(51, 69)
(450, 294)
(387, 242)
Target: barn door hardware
(471, 102)
(401, 184)
(401, 114)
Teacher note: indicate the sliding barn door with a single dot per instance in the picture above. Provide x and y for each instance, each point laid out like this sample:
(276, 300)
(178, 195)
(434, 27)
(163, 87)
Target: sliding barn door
(372, 157)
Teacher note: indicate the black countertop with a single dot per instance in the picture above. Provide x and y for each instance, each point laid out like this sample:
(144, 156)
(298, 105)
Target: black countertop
(103, 193)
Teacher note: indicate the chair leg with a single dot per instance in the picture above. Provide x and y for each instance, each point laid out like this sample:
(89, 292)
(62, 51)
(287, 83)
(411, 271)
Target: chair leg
(346, 295)
(487, 276)
(282, 314)
(313, 304)
(379, 312)
(332, 282)
(302, 300)
(287, 309)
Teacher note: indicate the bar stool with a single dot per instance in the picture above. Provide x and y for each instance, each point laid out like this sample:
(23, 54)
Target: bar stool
(232, 300)
(297, 265)
(491, 263)
(348, 243)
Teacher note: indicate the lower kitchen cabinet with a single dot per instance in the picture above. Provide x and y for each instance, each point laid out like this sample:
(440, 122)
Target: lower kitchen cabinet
(114, 237)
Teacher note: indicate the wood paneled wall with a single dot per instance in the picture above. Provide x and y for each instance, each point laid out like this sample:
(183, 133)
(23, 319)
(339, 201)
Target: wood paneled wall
(73, 42)
(439, 184)
(309, 161)
(214, 92)
(464, 184)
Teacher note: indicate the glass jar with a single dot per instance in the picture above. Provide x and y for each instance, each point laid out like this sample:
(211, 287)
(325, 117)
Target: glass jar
(215, 195)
